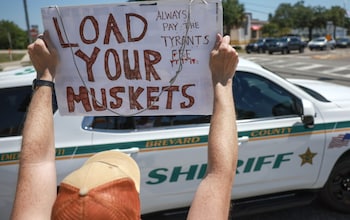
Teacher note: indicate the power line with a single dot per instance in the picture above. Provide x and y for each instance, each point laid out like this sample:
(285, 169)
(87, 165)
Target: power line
(254, 10)
(259, 5)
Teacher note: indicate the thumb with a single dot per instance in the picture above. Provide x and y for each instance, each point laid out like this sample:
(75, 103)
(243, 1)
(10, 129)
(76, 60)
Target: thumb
(226, 39)
(218, 41)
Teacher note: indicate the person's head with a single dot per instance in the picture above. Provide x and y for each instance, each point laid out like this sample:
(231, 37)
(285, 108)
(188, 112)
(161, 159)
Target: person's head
(107, 186)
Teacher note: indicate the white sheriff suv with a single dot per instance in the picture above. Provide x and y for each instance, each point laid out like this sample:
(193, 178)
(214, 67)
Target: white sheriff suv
(293, 141)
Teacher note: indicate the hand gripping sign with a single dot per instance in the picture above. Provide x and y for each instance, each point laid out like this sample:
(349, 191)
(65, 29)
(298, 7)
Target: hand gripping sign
(149, 58)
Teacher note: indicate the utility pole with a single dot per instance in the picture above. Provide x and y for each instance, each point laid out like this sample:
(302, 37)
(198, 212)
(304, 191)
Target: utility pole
(27, 20)
(10, 45)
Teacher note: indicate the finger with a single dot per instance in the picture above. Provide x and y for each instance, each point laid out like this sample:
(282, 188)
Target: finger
(47, 40)
(39, 39)
(226, 39)
(218, 42)
(40, 36)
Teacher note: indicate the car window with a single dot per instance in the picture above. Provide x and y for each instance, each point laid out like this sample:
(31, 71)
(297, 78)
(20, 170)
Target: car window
(255, 97)
(283, 40)
(14, 104)
(258, 97)
(142, 122)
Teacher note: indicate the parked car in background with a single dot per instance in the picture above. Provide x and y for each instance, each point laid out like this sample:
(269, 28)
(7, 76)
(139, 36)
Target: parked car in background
(259, 46)
(321, 43)
(286, 45)
(343, 42)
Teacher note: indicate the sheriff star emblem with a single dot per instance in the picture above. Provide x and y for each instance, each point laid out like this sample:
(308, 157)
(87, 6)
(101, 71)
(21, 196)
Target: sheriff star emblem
(307, 157)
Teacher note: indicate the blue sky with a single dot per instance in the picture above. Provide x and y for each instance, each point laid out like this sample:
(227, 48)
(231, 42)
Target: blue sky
(13, 10)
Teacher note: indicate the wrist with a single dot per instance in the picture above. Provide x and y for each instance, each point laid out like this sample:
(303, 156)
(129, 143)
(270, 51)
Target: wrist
(45, 75)
(45, 78)
(40, 82)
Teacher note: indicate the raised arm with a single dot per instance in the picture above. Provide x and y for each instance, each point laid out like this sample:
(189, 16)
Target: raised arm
(36, 186)
(212, 199)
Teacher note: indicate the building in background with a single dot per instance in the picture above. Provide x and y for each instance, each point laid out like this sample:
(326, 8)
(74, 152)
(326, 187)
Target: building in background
(251, 30)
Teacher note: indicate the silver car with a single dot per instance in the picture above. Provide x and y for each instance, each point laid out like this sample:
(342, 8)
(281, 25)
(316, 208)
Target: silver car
(321, 43)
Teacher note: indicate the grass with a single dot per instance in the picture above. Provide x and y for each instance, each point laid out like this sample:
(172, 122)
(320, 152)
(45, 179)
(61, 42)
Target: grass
(15, 57)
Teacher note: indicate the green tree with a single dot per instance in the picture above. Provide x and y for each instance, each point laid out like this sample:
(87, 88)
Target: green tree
(289, 16)
(283, 16)
(318, 19)
(347, 24)
(337, 15)
(12, 36)
(304, 17)
(233, 14)
(270, 30)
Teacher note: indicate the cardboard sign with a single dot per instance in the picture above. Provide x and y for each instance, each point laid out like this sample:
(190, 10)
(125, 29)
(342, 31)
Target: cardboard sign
(148, 58)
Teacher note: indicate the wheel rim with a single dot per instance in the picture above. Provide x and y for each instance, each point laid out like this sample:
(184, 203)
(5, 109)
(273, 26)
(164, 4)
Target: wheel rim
(340, 187)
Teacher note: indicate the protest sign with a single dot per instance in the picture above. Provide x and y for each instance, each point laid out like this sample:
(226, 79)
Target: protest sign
(149, 58)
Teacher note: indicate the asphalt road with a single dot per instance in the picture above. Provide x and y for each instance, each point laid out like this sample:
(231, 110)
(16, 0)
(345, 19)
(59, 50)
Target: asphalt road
(331, 66)
(314, 211)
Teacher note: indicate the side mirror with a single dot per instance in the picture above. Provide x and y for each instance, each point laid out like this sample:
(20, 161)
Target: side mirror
(308, 114)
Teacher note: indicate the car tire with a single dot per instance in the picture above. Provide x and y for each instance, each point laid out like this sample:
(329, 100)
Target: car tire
(301, 50)
(284, 50)
(270, 52)
(336, 192)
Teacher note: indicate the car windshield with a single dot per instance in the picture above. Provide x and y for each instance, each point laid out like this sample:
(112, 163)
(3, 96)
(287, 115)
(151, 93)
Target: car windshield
(313, 93)
(319, 39)
(342, 39)
(283, 40)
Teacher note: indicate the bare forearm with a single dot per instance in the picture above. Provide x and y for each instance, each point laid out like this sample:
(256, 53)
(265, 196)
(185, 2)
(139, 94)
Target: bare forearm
(222, 146)
(212, 199)
(38, 138)
(36, 187)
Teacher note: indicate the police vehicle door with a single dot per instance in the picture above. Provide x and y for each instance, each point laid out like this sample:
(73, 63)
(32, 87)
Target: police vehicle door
(276, 151)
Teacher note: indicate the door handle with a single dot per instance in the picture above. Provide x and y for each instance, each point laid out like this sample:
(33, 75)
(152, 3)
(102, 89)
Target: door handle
(129, 151)
(243, 139)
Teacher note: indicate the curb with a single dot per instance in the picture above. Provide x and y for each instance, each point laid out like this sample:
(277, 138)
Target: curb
(25, 61)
